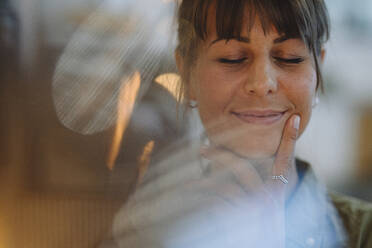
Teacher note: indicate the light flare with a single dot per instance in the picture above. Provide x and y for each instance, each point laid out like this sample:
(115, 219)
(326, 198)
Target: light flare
(144, 160)
(171, 82)
(126, 103)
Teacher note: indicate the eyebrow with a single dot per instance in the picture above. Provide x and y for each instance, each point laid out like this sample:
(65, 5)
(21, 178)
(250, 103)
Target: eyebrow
(240, 39)
(281, 39)
(247, 40)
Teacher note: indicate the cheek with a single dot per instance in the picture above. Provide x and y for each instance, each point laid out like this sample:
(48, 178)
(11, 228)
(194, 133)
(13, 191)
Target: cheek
(300, 89)
(213, 92)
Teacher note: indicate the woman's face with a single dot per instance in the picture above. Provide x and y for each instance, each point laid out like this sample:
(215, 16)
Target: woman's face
(247, 89)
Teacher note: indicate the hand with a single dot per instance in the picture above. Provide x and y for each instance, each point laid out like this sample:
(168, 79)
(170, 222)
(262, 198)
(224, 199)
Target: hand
(181, 207)
(265, 195)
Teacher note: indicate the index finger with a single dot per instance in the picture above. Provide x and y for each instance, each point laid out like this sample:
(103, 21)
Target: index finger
(285, 155)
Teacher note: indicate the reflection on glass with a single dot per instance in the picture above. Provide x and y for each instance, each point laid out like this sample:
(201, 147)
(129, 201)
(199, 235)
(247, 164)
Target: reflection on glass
(127, 99)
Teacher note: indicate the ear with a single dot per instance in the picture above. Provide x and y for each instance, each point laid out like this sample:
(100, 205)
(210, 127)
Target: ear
(185, 76)
(322, 55)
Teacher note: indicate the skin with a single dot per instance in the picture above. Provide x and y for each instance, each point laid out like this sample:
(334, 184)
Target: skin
(262, 71)
(261, 81)
(263, 75)
(266, 197)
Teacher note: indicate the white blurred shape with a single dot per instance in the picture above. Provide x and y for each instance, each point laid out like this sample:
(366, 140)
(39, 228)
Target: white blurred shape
(116, 40)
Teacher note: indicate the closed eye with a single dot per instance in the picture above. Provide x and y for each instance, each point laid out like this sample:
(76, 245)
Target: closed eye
(289, 61)
(232, 61)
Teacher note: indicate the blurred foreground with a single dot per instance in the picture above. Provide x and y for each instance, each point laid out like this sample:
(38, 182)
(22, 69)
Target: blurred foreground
(60, 186)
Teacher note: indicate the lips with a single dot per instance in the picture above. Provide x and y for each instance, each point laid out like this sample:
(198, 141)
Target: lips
(261, 117)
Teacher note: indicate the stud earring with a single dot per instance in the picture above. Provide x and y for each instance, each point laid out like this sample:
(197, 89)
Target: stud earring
(192, 104)
(315, 102)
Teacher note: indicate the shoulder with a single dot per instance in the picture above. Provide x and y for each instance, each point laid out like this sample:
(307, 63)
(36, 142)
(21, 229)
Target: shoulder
(356, 216)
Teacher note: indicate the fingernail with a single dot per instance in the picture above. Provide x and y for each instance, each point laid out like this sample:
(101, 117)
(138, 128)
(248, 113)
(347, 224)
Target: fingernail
(296, 122)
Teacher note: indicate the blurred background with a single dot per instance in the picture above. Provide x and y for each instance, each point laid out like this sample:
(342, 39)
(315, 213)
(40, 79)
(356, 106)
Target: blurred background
(74, 143)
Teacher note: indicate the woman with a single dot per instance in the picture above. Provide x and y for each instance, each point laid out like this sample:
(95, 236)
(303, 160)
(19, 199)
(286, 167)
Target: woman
(252, 70)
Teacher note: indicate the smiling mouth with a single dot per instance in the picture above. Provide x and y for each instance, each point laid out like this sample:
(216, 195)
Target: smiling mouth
(260, 117)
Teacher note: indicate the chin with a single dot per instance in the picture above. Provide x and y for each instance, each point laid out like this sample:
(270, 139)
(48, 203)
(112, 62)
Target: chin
(250, 145)
(254, 151)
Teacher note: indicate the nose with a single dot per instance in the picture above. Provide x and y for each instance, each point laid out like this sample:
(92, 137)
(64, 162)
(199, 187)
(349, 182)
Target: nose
(261, 80)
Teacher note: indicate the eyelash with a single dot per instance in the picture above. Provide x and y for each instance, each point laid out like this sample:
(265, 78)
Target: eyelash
(289, 61)
(232, 61)
(281, 60)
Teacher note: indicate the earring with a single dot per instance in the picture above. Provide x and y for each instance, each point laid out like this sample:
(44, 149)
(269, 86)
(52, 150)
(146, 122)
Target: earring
(315, 102)
(192, 104)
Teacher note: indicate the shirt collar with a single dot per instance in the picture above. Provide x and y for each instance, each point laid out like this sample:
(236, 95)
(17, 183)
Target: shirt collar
(311, 218)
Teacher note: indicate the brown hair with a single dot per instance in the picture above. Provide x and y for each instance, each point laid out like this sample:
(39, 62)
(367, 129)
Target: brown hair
(306, 19)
